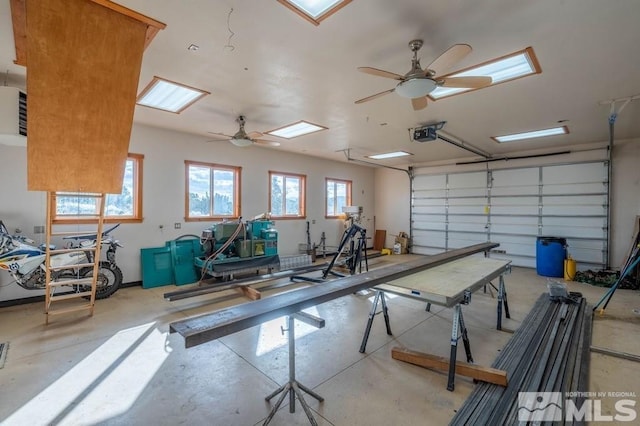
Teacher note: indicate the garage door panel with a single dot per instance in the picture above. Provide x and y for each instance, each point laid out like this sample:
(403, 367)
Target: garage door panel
(574, 173)
(518, 229)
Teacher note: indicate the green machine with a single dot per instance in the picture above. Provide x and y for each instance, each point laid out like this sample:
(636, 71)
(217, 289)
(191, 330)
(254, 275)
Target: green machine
(230, 246)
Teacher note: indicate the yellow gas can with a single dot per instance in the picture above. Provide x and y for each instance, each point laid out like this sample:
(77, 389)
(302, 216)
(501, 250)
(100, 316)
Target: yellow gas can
(569, 269)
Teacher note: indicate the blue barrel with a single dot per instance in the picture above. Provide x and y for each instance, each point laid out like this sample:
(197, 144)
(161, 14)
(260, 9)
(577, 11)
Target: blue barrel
(550, 255)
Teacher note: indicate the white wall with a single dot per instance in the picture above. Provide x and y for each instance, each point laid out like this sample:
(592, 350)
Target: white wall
(393, 193)
(163, 194)
(392, 202)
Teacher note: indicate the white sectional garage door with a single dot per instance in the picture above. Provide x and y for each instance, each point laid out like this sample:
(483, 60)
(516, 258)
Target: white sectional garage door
(513, 207)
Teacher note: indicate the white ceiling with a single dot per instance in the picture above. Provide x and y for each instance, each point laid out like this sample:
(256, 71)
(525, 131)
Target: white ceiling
(279, 68)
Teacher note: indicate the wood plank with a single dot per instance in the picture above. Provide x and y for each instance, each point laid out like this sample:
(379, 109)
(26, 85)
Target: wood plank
(249, 292)
(211, 326)
(19, 21)
(379, 239)
(84, 64)
(485, 374)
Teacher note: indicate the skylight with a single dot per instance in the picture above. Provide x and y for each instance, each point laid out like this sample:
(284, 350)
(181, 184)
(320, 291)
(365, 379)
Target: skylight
(169, 96)
(507, 68)
(389, 155)
(315, 11)
(296, 129)
(533, 134)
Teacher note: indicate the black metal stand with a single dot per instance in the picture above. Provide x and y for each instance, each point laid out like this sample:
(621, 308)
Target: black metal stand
(458, 330)
(502, 299)
(372, 314)
(353, 261)
(293, 387)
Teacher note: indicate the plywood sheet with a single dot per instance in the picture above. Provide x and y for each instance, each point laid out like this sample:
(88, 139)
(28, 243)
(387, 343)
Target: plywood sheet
(445, 284)
(84, 64)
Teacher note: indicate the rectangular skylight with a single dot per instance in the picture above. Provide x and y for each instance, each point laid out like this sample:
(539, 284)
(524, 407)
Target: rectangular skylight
(296, 129)
(169, 96)
(507, 68)
(533, 134)
(388, 155)
(315, 11)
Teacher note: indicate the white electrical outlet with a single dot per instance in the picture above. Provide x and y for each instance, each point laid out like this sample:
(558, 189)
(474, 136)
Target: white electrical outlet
(177, 225)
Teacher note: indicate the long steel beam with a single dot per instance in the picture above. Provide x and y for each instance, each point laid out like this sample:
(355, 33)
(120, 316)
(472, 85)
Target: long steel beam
(207, 327)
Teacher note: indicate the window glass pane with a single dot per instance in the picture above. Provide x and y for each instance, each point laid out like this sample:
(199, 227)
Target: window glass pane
(223, 190)
(199, 190)
(75, 205)
(276, 195)
(330, 198)
(122, 204)
(341, 197)
(293, 196)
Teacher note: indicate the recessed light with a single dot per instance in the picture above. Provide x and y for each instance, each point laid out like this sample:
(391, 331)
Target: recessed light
(389, 155)
(532, 134)
(510, 67)
(296, 129)
(168, 95)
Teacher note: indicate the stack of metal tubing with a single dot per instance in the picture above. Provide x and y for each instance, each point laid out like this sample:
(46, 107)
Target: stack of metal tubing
(548, 353)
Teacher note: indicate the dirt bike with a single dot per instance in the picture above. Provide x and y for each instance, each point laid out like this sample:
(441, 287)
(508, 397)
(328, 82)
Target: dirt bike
(25, 262)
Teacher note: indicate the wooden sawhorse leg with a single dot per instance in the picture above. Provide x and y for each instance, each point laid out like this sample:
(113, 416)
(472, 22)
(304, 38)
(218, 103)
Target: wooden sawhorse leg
(458, 330)
(372, 314)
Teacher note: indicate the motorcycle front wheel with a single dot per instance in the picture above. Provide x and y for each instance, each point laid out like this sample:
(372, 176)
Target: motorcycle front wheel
(109, 279)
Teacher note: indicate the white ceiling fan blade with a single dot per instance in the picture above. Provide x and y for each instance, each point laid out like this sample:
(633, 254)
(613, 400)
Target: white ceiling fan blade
(381, 73)
(419, 103)
(372, 97)
(466, 82)
(450, 57)
(266, 142)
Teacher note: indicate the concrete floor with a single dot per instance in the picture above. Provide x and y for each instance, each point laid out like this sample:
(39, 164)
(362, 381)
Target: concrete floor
(122, 367)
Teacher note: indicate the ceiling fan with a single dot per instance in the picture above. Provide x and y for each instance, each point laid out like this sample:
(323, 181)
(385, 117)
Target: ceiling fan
(418, 83)
(242, 138)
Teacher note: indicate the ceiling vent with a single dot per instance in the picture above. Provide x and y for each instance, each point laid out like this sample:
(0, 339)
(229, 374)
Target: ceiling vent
(13, 116)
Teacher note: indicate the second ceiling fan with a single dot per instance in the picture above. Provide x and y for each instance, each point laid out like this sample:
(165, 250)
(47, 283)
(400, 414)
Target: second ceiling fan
(418, 82)
(241, 138)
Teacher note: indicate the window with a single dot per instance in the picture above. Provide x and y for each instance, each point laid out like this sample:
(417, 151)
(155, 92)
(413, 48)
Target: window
(338, 195)
(287, 195)
(123, 207)
(212, 191)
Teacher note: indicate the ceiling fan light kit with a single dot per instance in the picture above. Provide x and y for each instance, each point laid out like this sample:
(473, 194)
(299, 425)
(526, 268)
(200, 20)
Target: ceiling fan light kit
(415, 88)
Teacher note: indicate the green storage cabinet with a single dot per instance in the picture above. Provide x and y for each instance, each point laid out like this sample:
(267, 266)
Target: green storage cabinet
(157, 268)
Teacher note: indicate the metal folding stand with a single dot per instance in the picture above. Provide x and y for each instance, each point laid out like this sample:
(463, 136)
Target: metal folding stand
(353, 261)
(293, 387)
(372, 314)
(458, 330)
(502, 300)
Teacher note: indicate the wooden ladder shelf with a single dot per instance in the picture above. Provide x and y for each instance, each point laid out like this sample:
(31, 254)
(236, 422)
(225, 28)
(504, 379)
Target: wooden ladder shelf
(75, 276)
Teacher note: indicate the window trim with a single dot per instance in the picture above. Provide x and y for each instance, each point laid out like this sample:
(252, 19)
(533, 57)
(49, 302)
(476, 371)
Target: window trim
(302, 194)
(237, 208)
(137, 203)
(326, 200)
